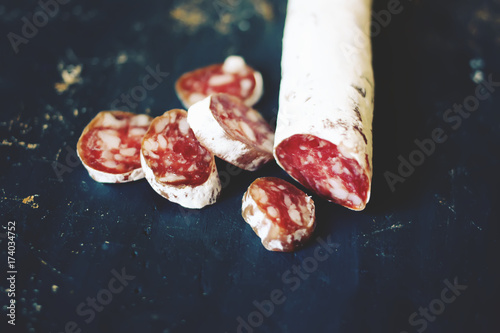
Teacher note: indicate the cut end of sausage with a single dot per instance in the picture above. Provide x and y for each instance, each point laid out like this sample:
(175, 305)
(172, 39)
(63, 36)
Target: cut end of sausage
(175, 164)
(280, 214)
(321, 166)
(232, 131)
(233, 77)
(109, 146)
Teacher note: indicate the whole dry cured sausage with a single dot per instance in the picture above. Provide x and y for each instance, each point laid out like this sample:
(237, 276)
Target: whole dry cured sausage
(324, 126)
(109, 146)
(280, 214)
(175, 164)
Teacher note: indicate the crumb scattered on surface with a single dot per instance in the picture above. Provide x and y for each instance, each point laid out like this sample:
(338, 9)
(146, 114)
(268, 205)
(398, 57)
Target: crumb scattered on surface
(30, 200)
(70, 75)
(122, 58)
(264, 8)
(189, 16)
(221, 15)
(20, 144)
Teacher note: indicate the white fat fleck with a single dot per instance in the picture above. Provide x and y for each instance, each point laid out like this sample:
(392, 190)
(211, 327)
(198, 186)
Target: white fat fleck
(162, 142)
(245, 85)
(248, 131)
(282, 187)
(273, 212)
(107, 155)
(253, 115)
(299, 234)
(170, 177)
(219, 80)
(337, 189)
(233, 123)
(275, 244)
(262, 195)
(184, 126)
(110, 164)
(287, 200)
(191, 168)
(237, 112)
(137, 131)
(255, 193)
(152, 144)
(140, 120)
(234, 64)
(109, 120)
(172, 115)
(128, 151)
(118, 157)
(153, 155)
(109, 138)
(337, 167)
(161, 124)
(356, 201)
(304, 209)
(148, 145)
(295, 216)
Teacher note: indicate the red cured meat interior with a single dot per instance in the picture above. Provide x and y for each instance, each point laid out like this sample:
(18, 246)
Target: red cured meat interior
(94, 154)
(198, 82)
(183, 160)
(317, 163)
(242, 122)
(281, 199)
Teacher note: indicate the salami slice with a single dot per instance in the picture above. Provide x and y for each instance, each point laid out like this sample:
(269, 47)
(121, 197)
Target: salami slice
(233, 77)
(176, 166)
(280, 214)
(232, 131)
(324, 126)
(109, 146)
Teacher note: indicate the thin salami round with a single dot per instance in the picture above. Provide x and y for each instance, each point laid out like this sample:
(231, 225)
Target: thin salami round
(324, 125)
(233, 77)
(109, 146)
(280, 214)
(232, 131)
(175, 164)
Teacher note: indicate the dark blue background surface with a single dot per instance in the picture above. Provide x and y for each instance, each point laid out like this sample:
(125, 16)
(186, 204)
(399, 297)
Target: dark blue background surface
(199, 271)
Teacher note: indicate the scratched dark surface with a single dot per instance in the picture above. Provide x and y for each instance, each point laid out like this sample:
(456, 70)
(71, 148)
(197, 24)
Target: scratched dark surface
(199, 271)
